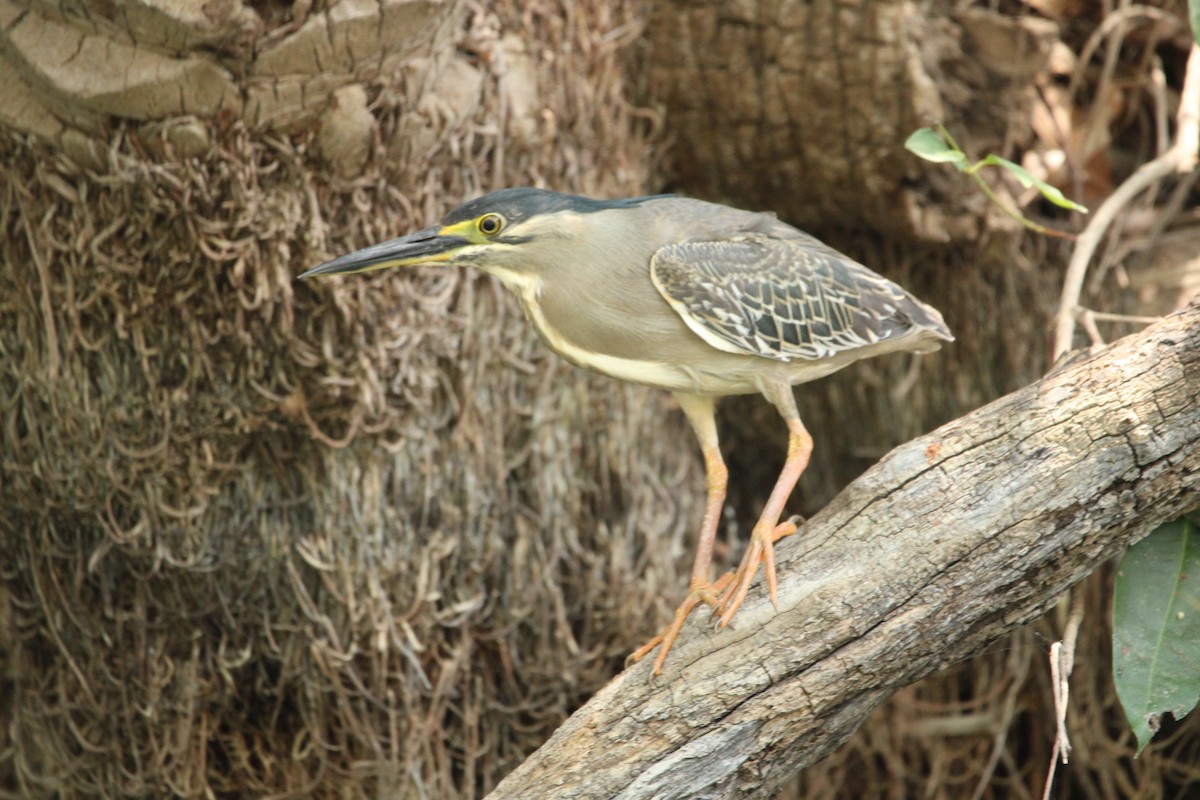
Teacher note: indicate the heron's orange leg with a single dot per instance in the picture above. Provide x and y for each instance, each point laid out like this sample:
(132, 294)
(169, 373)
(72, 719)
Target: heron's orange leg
(701, 412)
(700, 588)
(768, 529)
(726, 595)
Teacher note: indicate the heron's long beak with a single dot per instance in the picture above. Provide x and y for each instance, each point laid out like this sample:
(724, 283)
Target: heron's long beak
(423, 247)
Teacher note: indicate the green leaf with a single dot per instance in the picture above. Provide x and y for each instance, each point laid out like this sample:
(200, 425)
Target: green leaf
(1194, 16)
(1156, 627)
(929, 145)
(1026, 179)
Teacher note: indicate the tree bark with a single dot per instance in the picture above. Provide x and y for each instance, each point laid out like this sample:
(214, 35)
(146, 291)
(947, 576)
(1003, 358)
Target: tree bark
(766, 97)
(950, 542)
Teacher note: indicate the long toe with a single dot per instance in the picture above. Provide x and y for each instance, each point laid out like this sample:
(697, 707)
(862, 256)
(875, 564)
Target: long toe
(731, 599)
(665, 639)
(760, 551)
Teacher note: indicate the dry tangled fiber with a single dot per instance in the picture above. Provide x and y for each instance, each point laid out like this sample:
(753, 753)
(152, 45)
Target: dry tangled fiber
(349, 539)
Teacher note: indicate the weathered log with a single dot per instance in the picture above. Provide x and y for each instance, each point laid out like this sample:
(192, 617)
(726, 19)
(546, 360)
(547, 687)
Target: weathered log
(946, 545)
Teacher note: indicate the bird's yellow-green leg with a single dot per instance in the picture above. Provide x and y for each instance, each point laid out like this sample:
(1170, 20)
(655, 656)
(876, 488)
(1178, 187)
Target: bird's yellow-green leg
(701, 412)
(768, 529)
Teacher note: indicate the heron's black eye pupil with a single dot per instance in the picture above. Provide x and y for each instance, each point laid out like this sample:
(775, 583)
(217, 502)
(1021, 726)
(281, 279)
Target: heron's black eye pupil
(490, 224)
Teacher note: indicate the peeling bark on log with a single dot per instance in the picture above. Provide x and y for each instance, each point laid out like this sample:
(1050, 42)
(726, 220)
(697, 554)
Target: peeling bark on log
(950, 542)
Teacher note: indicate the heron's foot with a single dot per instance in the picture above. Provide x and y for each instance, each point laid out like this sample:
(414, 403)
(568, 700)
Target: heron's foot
(761, 551)
(706, 593)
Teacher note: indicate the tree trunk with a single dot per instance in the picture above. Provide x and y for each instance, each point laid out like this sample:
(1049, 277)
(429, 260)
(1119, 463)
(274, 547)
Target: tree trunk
(804, 107)
(949, 543)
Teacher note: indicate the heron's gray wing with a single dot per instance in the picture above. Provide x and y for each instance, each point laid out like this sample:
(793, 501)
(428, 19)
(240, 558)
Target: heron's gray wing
(793, 298)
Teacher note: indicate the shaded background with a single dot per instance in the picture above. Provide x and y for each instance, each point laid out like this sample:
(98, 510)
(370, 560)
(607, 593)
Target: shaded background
(367, 536)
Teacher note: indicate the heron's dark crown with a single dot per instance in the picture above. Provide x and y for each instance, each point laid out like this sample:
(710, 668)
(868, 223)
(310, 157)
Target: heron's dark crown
(520, 204)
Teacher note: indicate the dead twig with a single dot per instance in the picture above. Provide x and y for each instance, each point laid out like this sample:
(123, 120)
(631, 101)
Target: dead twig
(1181, 158)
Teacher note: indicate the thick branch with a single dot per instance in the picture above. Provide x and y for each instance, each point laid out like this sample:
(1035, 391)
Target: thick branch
(946, 545)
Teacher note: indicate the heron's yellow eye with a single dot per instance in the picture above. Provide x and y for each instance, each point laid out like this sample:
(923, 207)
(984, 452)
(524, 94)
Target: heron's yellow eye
(490, 224)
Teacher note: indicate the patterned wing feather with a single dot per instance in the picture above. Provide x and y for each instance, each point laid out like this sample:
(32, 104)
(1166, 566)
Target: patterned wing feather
(785, 299)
